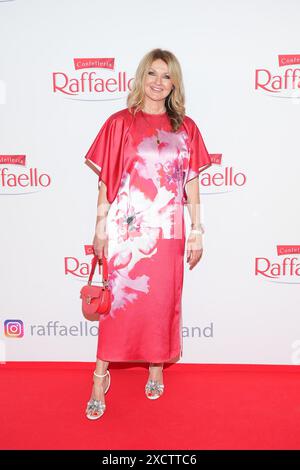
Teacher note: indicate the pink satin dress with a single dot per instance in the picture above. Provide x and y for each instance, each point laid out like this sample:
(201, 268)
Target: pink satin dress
(145, 166)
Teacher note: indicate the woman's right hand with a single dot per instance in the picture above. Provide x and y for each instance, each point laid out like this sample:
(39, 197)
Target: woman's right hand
(100, 245)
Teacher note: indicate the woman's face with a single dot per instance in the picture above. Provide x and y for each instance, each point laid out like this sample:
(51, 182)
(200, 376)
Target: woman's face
(158, 83)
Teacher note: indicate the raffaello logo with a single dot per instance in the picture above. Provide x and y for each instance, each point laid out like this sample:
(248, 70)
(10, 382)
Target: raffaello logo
(103, 84)
(224, 180)
(13, 328)
(20, 180)
(285, 270)
(79, 269)
(283, 82)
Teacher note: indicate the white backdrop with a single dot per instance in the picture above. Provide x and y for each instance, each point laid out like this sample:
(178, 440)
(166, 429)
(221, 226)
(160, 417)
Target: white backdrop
(241, 303)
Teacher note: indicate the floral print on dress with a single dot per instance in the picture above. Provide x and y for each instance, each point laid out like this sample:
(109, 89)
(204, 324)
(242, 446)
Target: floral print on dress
(137, 221)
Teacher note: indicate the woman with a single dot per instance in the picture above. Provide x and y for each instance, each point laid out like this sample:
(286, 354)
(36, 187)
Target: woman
(150, 155)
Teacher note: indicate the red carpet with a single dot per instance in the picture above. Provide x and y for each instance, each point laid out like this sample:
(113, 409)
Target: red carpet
(204, 407)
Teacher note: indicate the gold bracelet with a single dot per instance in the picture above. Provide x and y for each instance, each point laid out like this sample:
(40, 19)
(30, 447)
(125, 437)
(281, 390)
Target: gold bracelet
(199, 229)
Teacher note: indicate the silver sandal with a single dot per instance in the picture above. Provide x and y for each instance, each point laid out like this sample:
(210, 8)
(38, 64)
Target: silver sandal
(154, 389)
(95, 408)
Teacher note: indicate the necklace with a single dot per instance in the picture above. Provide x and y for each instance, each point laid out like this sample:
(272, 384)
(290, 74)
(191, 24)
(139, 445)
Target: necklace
(157, 138)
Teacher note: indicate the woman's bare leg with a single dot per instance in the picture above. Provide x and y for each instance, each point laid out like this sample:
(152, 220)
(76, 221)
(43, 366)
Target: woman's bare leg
(156, 371)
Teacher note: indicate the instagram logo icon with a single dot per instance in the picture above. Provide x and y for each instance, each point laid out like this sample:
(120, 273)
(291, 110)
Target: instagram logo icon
(13, 328)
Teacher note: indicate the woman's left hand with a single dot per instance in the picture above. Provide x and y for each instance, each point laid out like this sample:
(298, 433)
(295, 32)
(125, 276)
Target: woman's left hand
(194, 249)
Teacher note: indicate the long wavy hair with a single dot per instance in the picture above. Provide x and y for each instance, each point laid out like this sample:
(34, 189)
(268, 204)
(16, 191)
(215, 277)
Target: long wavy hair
(175, 101)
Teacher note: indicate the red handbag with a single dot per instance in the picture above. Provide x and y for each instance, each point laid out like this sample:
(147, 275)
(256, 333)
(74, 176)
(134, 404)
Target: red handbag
(96, 300)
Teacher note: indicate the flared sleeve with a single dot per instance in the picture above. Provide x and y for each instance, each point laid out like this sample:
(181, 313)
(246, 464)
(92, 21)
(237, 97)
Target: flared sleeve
(199, 158)
(107, 151)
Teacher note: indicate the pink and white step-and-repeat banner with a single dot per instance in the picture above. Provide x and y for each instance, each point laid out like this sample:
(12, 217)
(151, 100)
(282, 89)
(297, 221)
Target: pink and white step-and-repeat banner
(65, 67)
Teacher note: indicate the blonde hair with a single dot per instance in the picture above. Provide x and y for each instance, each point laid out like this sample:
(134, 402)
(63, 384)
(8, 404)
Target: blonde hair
(174, 102)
